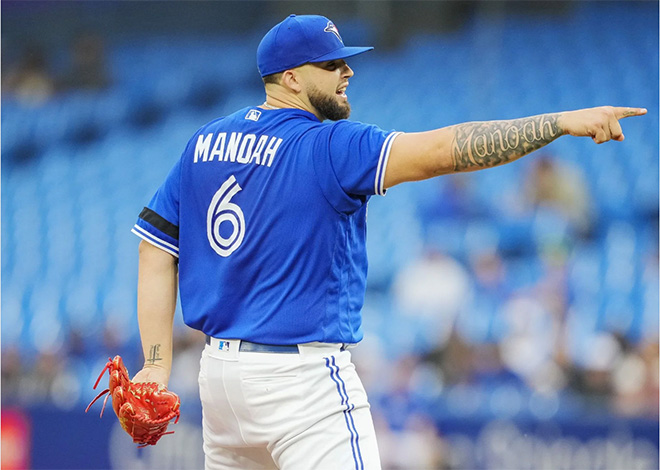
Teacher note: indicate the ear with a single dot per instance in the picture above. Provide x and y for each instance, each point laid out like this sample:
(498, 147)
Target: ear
(292, 80)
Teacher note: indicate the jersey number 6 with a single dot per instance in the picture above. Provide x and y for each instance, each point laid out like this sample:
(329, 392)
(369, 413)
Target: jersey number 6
(221, 210)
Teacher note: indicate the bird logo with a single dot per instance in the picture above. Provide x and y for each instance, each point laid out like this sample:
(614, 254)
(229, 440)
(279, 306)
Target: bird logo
(331, 28)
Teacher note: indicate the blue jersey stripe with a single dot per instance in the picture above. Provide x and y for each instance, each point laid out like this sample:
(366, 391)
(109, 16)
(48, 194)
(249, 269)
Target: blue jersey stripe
(382, 163)
(350, 408)
(380, 168)
(148, 237)
(350, 424)
(333, 372)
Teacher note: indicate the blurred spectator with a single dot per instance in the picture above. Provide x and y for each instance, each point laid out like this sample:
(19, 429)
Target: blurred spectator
(553, 287)
(398, 402)
(30, 80)
(407, 437)
(561, 187)
(417, 446)
(75, 344)
(433, 288)
(635, 380)
(489, 273)
(591, 375)
(36, 385)
(530, 341)
(12, 371)
(491, 289)
(88, 70)
(453, 361)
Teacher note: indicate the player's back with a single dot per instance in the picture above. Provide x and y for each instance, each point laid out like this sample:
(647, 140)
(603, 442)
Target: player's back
(266, 210)
(263, 254)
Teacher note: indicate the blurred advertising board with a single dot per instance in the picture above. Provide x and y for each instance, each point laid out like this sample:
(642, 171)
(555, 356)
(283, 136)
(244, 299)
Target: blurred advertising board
(15, 434)
(45, 438)
(603, 444)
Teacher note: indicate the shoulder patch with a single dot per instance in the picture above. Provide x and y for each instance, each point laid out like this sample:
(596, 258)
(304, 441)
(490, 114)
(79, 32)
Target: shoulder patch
(253, 115)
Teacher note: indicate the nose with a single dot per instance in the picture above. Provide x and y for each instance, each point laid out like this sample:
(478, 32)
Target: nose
(347, 72)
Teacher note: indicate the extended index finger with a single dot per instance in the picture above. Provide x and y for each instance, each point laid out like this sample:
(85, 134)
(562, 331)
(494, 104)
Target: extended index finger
(623, 112)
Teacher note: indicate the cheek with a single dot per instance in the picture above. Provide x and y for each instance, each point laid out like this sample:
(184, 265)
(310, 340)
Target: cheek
(329, 81)
(326, 85)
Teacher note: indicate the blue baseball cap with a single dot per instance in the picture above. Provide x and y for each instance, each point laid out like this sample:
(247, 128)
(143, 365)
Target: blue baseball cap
(301, 39)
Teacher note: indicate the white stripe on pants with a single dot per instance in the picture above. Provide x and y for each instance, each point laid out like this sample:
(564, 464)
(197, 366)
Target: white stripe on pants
(288, 411)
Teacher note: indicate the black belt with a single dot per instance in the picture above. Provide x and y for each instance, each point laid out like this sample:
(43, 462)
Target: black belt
(248, 346)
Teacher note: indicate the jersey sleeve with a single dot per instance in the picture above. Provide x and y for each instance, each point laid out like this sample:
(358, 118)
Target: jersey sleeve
(158, 223)
(352, 163)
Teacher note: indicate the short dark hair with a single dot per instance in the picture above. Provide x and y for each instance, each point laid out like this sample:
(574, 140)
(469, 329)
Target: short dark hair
(272, 78)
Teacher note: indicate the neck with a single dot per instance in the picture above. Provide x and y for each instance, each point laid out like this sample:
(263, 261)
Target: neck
(277, 98)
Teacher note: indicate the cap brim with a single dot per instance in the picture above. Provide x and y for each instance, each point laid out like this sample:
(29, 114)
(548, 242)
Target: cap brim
(342, 53)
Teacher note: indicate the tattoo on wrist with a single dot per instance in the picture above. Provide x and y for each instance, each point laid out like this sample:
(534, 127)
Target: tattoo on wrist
(154, 354)
(486, 144)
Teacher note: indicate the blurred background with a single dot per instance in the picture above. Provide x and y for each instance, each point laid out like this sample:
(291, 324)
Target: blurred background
(511, 318)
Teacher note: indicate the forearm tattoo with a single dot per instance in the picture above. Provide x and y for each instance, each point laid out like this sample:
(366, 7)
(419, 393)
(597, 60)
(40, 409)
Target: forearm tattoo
(154, 354)
(486, 144)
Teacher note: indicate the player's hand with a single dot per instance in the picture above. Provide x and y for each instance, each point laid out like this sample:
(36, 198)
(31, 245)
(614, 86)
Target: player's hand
(152, 374)
(601, 124)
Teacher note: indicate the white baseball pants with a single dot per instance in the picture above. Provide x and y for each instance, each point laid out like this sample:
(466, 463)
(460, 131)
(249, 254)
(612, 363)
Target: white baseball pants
(304, 411)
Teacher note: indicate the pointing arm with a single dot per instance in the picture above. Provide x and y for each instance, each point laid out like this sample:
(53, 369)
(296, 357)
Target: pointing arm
(477, 145)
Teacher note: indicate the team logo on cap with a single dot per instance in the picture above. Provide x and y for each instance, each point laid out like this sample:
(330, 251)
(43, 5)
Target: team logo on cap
(331, 28)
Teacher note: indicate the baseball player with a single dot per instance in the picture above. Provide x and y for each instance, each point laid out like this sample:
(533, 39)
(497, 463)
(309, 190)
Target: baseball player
(261, 223)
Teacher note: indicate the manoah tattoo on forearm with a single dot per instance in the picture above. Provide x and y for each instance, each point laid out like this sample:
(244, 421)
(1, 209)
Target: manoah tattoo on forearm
(486, 144)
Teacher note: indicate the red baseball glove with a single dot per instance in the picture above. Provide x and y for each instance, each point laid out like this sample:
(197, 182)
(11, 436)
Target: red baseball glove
(144, 409)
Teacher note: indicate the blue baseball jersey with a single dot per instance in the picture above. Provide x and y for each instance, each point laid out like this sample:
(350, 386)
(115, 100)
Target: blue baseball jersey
(266, 212)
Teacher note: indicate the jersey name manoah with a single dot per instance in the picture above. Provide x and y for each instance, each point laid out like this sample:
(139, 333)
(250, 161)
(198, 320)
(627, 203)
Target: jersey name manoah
(258, 260)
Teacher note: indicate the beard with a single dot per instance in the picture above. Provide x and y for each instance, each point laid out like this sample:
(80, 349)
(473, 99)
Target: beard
(327, 105)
